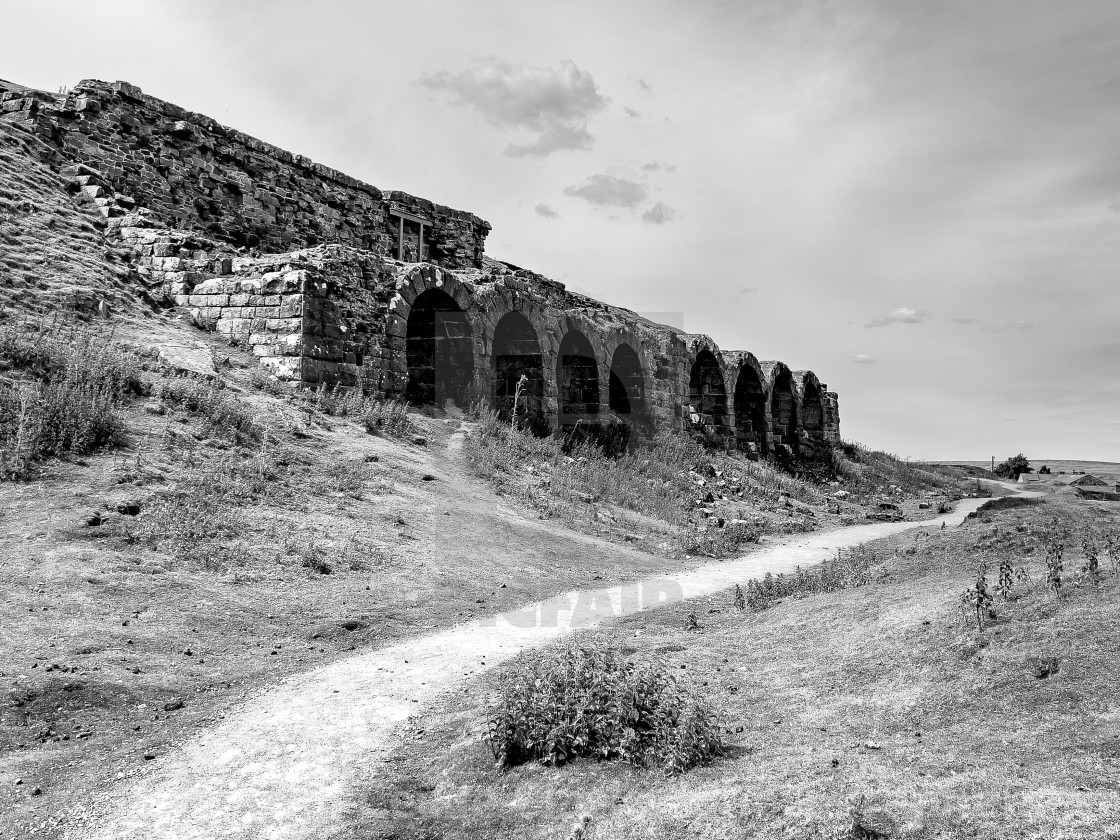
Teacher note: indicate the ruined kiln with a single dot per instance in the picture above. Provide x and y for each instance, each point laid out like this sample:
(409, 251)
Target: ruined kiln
(333, 281)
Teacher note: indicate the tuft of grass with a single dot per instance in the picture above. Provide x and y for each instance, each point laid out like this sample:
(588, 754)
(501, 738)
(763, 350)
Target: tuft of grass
(587, 701)
(223, 415)
(70, 381)
(388, 417)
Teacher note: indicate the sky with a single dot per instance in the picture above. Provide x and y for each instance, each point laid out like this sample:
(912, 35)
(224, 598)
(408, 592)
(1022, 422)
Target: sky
(919, 200)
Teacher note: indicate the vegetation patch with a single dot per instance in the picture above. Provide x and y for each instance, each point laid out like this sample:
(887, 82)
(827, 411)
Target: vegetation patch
(588, 701)
(63, 394)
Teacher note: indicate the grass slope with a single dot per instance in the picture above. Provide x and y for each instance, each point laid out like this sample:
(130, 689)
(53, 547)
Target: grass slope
(53, 252)
(869, 712)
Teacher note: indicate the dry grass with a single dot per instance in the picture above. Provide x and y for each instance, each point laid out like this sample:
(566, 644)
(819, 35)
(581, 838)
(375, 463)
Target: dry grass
(875, 709)
(671, 495)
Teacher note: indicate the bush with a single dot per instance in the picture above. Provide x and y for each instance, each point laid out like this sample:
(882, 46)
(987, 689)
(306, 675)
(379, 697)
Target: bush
(1004, 503)
(69, 404)
(586, 701)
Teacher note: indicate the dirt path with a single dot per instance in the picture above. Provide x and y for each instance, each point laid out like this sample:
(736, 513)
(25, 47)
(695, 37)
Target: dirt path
(280, 767)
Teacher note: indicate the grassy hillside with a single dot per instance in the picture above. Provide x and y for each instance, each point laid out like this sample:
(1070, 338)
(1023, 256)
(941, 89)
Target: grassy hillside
(196, 538)
(876, 711)
(53, 252)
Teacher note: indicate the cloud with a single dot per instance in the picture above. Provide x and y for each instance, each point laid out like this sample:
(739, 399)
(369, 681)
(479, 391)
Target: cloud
(966, 320)
(1115, 206)
(630, 112)
(902, 315)
(555, 103)
(546, 211)
(610, 191)
(748, 290)
(1010, 326)
(642, 84)
(658, 214)
(655, 165)
(862, 359)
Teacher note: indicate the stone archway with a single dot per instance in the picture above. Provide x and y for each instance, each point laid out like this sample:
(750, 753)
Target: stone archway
(750, 413)
(783, 409)
(627, 386)
(812, 408)
(708, 399)
(577, 379)
(517, 354)
(438, 351)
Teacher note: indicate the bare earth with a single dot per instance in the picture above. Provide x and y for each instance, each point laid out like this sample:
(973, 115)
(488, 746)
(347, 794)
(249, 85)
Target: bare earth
(282, 768)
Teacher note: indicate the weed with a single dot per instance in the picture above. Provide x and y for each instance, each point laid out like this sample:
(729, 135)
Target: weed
(1112, 544)
(1006, 578)
(1054, 551)
(977, 598)
(575, 700)
(387, 417)
(1092, 569)
(739, 599)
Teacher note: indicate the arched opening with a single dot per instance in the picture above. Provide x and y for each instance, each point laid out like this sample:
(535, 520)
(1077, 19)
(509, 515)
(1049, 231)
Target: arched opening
(708, 399)
(577, 377)
(783, 409)
(750, 413)
(438, 350)
(812, 409)
(517, 364)
(627, 396)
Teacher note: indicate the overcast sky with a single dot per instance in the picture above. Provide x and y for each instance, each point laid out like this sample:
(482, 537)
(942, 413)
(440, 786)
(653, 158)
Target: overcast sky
(920, 201)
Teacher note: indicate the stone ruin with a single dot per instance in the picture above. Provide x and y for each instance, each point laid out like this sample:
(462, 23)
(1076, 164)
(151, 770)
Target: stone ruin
(333, 282)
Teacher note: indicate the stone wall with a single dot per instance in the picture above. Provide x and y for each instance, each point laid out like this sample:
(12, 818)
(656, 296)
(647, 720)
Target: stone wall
(195, 203)
(195, 174)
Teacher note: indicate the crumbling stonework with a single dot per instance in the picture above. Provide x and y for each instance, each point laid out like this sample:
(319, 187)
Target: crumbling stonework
(195, 174)
(307, 268)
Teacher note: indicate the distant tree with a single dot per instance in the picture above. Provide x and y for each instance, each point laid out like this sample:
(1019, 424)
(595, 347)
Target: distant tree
(1013, 467)
(1044, 470)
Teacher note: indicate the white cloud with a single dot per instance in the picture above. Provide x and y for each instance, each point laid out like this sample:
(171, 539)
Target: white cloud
(748, 290)
(546, 211)
(630, 112)
(554, 103)
(862, 359)
(658, 214)
(655, 165)
(902, 315)
(610, 191)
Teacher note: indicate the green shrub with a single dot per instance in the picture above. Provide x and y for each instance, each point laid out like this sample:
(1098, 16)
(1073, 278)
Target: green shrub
(586, 701)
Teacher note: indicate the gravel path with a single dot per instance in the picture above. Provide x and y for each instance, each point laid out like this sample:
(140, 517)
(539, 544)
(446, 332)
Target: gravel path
(280, 766)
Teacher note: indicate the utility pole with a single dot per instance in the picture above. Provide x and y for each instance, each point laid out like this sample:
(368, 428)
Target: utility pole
(993, 465)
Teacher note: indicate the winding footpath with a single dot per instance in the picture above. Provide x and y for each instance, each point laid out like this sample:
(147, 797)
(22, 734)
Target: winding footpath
(281, 767)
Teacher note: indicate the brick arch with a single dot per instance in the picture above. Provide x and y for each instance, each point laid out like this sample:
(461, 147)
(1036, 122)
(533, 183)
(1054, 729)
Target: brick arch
(627, 385)
(518, 371)
(812, 396)
(749, 404)
(707, 392)
(577, 376)
(784, 404)
(421, 278)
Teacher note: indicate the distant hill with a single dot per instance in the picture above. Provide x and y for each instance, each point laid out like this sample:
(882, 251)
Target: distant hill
(1108, 470)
